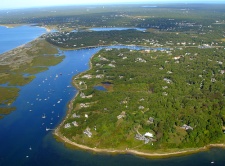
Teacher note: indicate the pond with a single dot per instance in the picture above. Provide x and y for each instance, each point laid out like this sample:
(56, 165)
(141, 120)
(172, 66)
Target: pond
(100, 88)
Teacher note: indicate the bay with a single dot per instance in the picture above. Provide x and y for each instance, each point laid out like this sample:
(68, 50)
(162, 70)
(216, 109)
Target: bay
(25, 141)
(11, 38)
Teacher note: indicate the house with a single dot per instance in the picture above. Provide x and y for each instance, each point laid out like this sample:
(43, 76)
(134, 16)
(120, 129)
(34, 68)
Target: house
(176, 57)
(169, 72)
(99, 76)
(186, 127)
(164, 87)
(140, 60)
(67, 126)
(83, 105)
(75, 123)
(87, 76)
(75, 115)
(213, 80)
(165, 94)
(141, 107)
(82, 95)
(148, 135)
(167, 80)
(103, 59)
(111, 65)
(88, 132)
(151, 120)
(122, 115)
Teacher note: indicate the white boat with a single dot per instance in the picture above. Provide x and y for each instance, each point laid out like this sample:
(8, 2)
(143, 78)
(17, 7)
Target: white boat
(47, 129)
(30, 148)
(43, 116)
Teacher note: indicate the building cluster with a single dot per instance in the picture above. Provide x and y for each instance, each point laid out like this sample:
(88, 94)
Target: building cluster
(88, 132)
(122, 115)
(186, 127)
(147, 137)
(169, 81)
(140, 60)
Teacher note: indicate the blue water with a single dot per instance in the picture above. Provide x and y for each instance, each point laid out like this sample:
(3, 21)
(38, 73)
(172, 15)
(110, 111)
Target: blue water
(11, 38)
(100, 88)
(23, 137)
(116, 29)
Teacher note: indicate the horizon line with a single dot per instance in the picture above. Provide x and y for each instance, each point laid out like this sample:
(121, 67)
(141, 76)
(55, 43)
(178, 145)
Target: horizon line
(121, 3)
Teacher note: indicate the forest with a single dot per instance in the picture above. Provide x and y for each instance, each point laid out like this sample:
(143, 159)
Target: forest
(177, 95)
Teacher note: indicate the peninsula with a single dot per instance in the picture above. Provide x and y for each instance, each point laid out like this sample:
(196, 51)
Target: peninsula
(165, 99)
(147, 102)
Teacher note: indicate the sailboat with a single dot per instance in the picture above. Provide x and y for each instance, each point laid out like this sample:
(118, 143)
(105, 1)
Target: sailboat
(43, 116)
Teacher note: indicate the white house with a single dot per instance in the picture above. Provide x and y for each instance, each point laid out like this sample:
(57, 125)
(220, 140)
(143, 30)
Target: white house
(148, 134)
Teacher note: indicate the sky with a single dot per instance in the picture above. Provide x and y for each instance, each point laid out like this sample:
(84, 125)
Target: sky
(14, 4)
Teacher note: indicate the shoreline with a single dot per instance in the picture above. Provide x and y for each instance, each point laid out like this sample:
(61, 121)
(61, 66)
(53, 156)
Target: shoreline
(18, 48)
(11, 25)
(152, 154)
(70, 104)
(181, 152)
